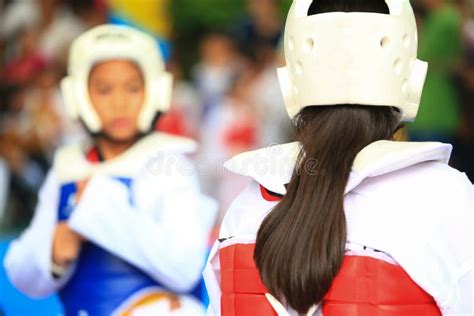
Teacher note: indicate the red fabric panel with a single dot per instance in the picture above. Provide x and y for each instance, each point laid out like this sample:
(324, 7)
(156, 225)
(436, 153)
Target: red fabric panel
(243, 292)
(365, 286)
(267, 196)
(93, 155)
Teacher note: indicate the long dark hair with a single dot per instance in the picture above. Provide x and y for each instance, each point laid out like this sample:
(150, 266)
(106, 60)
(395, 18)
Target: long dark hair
(301, 243)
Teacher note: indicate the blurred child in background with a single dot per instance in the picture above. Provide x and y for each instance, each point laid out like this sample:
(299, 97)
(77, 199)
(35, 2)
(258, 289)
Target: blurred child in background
(121, 226)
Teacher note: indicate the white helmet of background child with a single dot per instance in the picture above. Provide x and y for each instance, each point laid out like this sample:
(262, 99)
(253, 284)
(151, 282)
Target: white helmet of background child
(352, 58)
(107, 42)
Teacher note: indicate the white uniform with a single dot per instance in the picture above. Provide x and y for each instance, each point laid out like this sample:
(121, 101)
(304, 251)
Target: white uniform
(160, 224)
(402, 199)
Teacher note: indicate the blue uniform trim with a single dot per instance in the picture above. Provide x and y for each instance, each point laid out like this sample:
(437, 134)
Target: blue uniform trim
(67, 201)
(101, 282)
(67, 197)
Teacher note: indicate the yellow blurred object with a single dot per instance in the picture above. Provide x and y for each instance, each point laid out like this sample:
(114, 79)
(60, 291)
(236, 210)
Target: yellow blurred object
(152, 15)
(153, 298)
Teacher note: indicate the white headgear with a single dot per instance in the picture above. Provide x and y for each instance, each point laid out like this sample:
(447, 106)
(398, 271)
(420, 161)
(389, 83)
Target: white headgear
(107, 42)
(352, 58)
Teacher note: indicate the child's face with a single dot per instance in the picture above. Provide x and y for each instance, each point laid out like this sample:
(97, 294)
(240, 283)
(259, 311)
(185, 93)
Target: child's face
(117, 92)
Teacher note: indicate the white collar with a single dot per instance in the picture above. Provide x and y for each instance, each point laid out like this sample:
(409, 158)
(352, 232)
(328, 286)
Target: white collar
(273, 166)
(70, 162)
(154, 143)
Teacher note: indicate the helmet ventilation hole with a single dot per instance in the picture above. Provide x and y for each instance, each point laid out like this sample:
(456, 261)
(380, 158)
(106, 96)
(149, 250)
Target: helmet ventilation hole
(397, 66)
(385, 42)
(299, 68)
(308, 44)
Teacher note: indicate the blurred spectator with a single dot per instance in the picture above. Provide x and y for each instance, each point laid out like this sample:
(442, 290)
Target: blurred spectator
(55, 23)
(465, 83)
(62, 23)
(35, 37)
(265, 92)
(216, 69)
(234, 121)
(27, 62)
(231, 127)
(18, 15)
(184, 116)
(18, 151)
(440, 45)
(261, 27)
(241, 103)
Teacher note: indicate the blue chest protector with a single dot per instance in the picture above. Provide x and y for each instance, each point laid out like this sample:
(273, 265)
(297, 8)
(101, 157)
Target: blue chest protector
(101, 281)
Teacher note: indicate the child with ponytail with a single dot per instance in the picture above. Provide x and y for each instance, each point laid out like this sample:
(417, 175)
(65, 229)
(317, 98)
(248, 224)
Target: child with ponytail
(347, 221)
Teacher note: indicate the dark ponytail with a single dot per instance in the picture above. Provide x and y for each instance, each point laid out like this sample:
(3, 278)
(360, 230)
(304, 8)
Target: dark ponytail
(301, 243)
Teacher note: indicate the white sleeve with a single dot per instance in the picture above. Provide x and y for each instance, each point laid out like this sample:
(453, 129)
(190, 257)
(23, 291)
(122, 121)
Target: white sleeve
(212, 280)
(168, 242)
(29, 258)
(462, 298)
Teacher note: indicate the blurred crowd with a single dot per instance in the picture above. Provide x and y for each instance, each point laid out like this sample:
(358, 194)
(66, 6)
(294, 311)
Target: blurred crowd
(229, 100)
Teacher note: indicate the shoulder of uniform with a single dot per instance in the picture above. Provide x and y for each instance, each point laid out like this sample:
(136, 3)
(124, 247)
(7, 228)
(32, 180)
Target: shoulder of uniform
(271, 167)
(383, 157)
(393, 157)
(70, 162)
(70, 150)
(246, 212)
(440, 177)
(164, 142)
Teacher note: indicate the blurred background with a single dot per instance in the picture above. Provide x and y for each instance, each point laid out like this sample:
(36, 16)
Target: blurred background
(223, 55)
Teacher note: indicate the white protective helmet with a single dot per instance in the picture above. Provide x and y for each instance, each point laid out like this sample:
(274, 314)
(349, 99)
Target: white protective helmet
(352, 58)
(107, 42)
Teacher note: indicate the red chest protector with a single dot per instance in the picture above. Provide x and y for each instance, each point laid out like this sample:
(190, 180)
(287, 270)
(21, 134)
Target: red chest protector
(365, 286)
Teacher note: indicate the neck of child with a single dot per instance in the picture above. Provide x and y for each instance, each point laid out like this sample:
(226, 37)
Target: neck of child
(112, 149)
